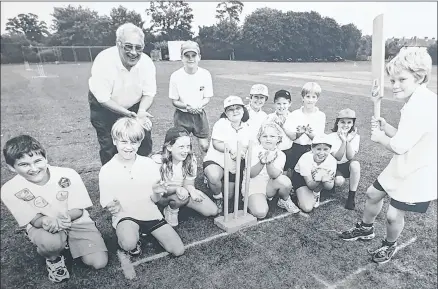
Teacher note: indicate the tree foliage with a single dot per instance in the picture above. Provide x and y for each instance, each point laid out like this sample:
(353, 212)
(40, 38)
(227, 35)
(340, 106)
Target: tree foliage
(29, 25)
(229, 11)
(171, 20)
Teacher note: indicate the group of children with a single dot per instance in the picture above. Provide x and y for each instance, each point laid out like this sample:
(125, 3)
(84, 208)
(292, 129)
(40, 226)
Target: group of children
(290, 153)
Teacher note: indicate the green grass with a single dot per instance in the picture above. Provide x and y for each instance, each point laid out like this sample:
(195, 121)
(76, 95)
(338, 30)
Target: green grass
(285, 253)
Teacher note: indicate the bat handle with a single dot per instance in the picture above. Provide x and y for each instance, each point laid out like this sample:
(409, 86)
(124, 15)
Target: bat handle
(377, 109)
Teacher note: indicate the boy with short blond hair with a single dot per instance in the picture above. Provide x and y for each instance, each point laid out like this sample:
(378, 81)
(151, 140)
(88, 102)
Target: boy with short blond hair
(129, 189)
(410, 177)
(51, 202)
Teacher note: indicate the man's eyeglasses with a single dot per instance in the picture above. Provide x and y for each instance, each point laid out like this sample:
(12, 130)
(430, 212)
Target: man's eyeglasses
(128, 47)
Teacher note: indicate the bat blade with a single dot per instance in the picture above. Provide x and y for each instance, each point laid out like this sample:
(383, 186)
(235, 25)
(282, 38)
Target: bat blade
(378, 59)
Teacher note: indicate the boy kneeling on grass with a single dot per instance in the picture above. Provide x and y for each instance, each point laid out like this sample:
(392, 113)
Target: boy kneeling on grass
(314, 172)
(129, 187)
(410, 177)
(51, 201)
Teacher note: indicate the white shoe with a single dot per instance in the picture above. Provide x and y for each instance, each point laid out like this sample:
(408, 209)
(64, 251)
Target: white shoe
(57, 271)
(288, 205)
(171, 216)
(317, 196)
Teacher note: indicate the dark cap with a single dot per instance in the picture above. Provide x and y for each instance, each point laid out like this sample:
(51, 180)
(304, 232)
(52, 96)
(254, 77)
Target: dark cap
(282, 93)
(174, 133)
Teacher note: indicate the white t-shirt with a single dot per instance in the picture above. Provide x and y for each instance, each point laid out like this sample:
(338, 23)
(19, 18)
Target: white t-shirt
(306, 164)
(177, 173)
(190, 88)
(286, 142)
(316, 120)
(133, 188)
(64, 191)
(336, 144)
(256, 118)
(111, 80)
(223, 131)
(411, 174)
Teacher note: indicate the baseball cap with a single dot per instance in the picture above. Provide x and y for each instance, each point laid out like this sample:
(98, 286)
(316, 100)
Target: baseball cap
(321, 139)
(174, 133)
(282, 93)
(259, 89)
(347, 113)
(189, 46)
(232, 100)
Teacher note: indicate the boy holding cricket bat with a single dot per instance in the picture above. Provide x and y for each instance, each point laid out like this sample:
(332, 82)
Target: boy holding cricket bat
(51, 202)
(410, 177)
(129, 188)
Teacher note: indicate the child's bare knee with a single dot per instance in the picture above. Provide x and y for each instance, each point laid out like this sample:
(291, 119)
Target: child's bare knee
(177, 250)
(307, 208)
(339, 181)
(127, 243)
(51, 243)
(259, 213)
(96, 260)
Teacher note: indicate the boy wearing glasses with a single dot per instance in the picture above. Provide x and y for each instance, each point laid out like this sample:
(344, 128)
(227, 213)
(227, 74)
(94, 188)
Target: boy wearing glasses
(122, 83)
(190, 90)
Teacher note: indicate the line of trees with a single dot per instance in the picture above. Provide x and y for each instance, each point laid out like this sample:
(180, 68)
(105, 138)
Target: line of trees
(266, 34)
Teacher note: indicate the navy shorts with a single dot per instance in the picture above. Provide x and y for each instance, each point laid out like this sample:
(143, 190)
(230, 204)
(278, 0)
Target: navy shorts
(289, 159)
(420, 207)
(146, 227)
(193, 123)
(343, 170)
(298, 180)
(296, 151)
(231, 176)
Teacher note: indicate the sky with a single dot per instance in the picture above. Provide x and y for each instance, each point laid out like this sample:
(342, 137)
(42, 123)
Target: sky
(401, 19)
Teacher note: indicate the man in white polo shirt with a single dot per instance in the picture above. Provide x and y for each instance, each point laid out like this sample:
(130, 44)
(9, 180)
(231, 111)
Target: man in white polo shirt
(190, 89)
(122, 83)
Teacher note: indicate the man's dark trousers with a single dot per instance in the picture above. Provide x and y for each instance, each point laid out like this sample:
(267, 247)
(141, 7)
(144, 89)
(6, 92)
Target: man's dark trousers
(102, 120)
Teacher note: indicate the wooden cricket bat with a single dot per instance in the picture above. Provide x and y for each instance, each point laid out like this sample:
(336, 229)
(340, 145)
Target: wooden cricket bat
(378, 60)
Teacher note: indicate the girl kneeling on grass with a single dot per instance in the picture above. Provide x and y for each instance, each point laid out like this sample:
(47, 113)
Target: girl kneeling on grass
(230, 129)
(266, 173)
(178, 167)
(345, 145)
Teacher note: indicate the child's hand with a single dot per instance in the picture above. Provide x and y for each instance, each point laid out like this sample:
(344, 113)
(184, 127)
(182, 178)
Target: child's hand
(271, 156)
(263, 157)
(64, 221)
(50, 224)
(316, 175)
(280, 120)
(377, 135)
(378, 123)
(342, 135)
(308, 130)
(233, 154)
(375, 91)
(328, 176)
(196, 196)
(160, 188)
(352, 135)
(182, 193)
(114, 207)
(301, 129)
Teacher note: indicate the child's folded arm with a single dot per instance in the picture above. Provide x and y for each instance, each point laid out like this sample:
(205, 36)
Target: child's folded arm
(311, 184)
(75, 214)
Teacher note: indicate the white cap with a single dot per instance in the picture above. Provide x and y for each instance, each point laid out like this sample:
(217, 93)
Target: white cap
(232, 100)
(321, 139)
(260, 89)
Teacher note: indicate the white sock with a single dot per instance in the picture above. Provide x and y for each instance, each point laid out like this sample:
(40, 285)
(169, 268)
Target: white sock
(219, 196)
(173, 210)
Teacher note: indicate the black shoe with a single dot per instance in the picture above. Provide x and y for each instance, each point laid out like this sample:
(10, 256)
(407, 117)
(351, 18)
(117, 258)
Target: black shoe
(350, 204)
(358, 232)
(136, 251)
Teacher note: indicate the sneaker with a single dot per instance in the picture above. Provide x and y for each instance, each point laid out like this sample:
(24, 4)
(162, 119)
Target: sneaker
(317, 196)
(57, 270)
(270, 199)
(219, 204)
(350, 204)
(136, 251)
(358, 232)
(288, 205)
(206, 182)
(384, 253)
(171, 216)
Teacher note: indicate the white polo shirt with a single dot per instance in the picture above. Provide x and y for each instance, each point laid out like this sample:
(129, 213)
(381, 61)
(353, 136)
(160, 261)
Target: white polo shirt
(178, 178)
(111, 80)
(316, 120)
(256, 118)
(190, 88)
(306, 163)
(286, 142)
(411, 174)
(133, 188)
(64, 191)
(223, 131)
(336, 144)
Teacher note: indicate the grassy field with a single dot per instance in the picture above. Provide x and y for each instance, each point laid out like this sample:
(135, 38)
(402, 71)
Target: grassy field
(299, 251)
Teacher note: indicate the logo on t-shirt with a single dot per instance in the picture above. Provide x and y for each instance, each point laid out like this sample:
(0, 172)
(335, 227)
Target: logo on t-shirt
(62, 196)
(64, 182)
(25, 195)
(40, 202)
(201, 88)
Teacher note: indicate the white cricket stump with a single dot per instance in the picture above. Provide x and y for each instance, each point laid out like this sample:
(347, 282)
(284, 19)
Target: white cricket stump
(41, 73)
(232, 222)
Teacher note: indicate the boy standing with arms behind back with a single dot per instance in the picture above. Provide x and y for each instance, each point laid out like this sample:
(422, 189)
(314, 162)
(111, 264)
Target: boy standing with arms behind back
(190, 89)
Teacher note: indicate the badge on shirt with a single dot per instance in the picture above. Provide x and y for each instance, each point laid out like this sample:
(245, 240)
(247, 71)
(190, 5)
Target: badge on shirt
(64, 182)
(25, 195)
(201, 88)
(62, 196)
(40, 202)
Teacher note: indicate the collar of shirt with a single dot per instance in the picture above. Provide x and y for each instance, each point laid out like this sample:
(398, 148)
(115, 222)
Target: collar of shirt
(418, 93)
(242, 124)
(315, 109)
